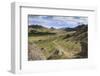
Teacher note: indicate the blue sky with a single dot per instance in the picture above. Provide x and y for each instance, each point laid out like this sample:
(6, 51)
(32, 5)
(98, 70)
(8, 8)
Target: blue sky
(57, 21)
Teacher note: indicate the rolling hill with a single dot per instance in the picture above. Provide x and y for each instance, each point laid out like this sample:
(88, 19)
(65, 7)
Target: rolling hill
(61, 43)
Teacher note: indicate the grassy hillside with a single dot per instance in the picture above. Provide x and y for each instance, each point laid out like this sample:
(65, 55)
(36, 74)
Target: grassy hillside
(57, 43)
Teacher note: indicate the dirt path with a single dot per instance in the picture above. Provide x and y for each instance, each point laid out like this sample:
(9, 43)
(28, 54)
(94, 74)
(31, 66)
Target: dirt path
(60, 49)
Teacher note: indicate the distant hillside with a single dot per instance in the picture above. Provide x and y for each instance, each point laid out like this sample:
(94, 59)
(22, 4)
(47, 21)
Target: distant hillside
(35, 26)
(39, 30)
(80, 34)
(75, 28)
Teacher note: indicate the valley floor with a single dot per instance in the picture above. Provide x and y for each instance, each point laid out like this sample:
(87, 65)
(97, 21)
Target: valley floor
(54, 47)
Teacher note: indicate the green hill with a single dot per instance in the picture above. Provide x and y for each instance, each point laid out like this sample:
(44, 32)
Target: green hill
(59, 43)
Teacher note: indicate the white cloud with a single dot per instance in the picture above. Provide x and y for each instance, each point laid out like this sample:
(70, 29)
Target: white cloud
(57, 21)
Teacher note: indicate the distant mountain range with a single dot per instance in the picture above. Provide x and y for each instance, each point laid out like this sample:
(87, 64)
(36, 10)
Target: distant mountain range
(35, 26)
(74, 28)
(80, 31)
(66, 28)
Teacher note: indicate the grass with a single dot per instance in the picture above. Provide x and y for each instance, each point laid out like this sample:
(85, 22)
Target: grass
(57, 43)
(47, 43)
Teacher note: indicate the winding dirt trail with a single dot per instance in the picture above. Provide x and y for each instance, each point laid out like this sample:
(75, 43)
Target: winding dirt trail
(60, 49)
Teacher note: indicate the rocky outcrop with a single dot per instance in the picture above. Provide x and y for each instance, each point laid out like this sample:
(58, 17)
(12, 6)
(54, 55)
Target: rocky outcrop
(35, 53)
